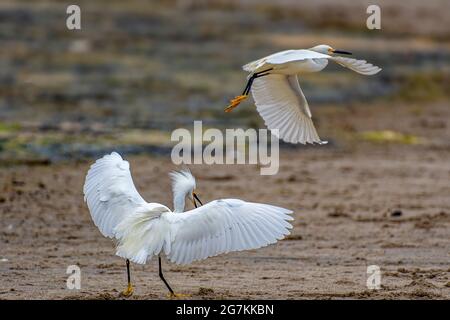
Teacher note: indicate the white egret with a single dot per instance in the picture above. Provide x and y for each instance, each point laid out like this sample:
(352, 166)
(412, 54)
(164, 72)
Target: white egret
(277, 93)
(144, 229)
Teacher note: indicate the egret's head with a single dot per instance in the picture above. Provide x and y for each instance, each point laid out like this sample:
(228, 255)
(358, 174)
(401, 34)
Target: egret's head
(183, 186)
(326, 49)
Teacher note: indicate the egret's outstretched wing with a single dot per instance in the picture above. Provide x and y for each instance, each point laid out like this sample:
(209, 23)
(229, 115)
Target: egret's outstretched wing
(359, 66)
(225, 225)
(110, 193)
(283, 106)
(282, 57)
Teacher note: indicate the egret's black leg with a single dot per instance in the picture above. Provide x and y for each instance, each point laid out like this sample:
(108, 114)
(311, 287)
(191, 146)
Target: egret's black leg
(162, 278)
(252, 78)
(129, 291)
(237, 100)
(128, 272)
(248, 85)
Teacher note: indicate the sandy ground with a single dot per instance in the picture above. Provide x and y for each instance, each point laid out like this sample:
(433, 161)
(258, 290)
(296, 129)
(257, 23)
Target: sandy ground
(356, 203)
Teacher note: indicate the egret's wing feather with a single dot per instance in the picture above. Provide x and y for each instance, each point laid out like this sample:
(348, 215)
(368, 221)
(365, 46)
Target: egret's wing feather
(282, 57)
(303, 103)
(223, 226)
(110, 193)
(281, 103)
(359, 66)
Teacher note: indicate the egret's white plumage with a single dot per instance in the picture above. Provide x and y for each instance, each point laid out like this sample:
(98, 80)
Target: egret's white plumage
(182, 183)
(281, 103)
(290, 62)
(146, 229)
(277, 93)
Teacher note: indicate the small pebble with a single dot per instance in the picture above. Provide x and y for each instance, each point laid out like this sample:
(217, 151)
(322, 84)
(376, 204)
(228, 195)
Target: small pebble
(396, 213)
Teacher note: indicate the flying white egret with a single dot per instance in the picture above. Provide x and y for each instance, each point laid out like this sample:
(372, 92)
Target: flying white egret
(146, 229)
(277, 93)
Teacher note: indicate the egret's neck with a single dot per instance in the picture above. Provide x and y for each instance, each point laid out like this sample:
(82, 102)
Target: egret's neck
(178, 202)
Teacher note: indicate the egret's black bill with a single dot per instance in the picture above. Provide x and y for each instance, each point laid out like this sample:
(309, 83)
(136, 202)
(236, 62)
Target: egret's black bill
(196, 198)
(342, 52)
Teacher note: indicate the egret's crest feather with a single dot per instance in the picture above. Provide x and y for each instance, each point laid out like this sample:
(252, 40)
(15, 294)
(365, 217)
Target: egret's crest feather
(183, 183)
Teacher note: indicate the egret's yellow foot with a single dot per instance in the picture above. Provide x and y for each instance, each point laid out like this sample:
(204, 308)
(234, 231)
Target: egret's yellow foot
(177, 295)
(128, 291)
(235, 102)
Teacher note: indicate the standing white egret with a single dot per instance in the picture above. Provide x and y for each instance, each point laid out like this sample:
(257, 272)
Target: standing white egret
(146, 229)
(277, 93)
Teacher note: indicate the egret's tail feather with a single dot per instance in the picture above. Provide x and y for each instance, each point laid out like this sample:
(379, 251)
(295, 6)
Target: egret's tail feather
(249, 67)
(142, 235)
(254, 65)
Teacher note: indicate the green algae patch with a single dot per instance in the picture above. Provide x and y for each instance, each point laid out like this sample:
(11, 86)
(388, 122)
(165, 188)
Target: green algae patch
(390, 137)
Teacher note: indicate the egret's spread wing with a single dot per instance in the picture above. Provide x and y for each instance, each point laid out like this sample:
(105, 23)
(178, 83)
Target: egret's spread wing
(225, 225)
(303, 103)
(282, 57)
(359, 66)
(110, 193)
(283, 106)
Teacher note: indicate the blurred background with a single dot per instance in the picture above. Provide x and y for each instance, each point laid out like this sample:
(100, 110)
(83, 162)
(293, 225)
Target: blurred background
(139, 69)
(377, 194)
